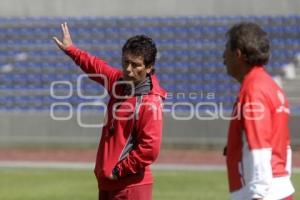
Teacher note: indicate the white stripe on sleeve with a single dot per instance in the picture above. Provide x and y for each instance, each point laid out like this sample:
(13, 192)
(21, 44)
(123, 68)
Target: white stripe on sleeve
(257, 171)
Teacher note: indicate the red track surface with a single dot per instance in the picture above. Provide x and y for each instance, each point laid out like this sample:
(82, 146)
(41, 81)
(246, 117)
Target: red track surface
(167, 156)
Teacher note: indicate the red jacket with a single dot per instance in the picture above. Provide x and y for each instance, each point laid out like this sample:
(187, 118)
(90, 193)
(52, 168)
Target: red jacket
(258, 147)
(134, 168)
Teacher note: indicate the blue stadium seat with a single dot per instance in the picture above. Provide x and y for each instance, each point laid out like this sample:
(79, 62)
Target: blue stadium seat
(189, 58)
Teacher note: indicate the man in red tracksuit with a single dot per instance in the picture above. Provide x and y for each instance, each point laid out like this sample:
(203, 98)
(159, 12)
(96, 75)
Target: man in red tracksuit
(131, 138)
(258, 150)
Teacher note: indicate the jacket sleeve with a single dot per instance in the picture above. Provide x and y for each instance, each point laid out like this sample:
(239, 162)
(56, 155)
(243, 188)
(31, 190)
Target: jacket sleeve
(149, 131)
(257, 151)
(97, 69)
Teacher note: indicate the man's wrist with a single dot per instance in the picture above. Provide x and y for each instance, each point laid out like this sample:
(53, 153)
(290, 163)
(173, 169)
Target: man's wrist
(116, 172)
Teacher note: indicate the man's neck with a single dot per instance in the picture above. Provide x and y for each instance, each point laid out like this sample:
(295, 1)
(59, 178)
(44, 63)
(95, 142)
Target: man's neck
(244, 71)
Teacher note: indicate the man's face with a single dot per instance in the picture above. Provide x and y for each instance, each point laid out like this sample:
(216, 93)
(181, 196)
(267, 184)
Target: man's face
(230, 60)
(134, 68)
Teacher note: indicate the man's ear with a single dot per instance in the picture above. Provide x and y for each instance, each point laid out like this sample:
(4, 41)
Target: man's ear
(240, 55)
(149, 69)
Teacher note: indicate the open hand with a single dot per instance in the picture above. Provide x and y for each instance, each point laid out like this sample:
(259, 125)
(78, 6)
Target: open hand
(66, 40)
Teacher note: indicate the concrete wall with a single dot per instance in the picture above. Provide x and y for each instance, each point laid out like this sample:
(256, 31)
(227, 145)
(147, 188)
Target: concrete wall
(39, 129)
(146, 7)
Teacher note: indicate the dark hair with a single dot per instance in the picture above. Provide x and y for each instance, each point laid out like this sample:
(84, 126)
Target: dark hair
(141, 45)
(252, 40)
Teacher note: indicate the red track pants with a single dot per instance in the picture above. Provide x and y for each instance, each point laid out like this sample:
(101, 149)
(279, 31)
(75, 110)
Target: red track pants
(141, 192)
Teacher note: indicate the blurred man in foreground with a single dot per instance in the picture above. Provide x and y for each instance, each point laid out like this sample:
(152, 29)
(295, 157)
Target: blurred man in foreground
(131, 138)
(258, 152)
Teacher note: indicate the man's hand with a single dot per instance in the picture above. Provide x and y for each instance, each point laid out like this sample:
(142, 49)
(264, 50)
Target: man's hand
(112, 177)
(66, 41)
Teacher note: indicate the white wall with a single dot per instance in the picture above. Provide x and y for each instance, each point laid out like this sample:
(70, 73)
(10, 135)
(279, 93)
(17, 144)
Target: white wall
(147, 7)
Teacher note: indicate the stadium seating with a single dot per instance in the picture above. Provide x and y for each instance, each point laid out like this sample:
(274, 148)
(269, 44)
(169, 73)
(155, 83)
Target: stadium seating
(189, 58)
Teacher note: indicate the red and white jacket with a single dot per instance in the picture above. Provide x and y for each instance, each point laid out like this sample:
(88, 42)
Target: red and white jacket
(134, 169)
(258, 152)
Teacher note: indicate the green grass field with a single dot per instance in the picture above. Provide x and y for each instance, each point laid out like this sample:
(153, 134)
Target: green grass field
(42, 184)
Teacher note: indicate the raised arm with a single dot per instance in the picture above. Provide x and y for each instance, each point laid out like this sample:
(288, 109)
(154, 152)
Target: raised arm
(91, 65)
